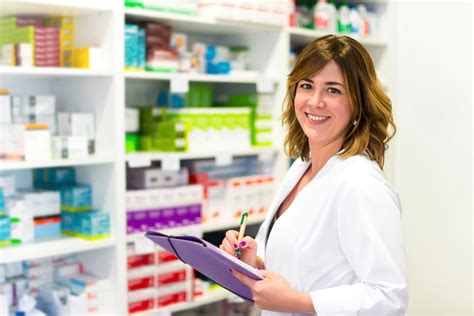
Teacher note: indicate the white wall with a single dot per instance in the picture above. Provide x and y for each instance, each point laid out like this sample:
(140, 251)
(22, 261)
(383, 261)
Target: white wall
(433, 152)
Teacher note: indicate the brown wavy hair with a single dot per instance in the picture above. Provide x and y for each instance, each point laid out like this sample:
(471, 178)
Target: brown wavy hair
(371, 107)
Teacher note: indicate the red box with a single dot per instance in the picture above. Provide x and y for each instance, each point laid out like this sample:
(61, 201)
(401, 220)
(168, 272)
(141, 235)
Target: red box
(174, 298)
(171, 277)
(141, 283)
(141, 306)
(140, 260)
(165, 256)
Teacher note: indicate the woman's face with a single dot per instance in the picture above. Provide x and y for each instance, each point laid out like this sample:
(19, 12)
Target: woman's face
(322, 107)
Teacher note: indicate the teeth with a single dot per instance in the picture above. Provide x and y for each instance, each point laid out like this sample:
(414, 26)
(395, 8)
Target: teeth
(317, 118)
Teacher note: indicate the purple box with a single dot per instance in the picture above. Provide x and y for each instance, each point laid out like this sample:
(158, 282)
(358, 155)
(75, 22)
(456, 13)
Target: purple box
(137, 222)
(155, 219)
(195, 213)
(182, 215)
(168, 217)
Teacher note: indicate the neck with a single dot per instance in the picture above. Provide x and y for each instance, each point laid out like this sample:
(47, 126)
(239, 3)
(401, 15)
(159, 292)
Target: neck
(321, 154)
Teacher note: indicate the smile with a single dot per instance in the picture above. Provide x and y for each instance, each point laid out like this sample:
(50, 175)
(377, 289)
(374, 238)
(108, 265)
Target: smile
(317, 118)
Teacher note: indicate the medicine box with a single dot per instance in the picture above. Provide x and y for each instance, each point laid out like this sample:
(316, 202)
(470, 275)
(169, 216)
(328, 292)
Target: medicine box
(76, 198)
(54, 177)
(88, 225)
(76, 124)
(149, 178)
(5, 230)
(48, 227)
(75, 147)
(41, 202)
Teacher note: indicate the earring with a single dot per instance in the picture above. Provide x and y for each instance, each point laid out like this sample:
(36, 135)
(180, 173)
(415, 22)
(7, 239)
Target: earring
(354, 123)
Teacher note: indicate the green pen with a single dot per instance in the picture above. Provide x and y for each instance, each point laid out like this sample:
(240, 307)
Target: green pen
(243, 225)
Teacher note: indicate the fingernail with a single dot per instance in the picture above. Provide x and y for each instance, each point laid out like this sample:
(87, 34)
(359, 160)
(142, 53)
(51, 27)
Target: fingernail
(258, 268)
(238, 256)
(235, 246)
(243, 243)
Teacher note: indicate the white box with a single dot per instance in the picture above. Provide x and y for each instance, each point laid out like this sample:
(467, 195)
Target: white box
(38, 105)
(132, 120)
(64, 147)
(5, 109)
(37, 143)
(76, 124)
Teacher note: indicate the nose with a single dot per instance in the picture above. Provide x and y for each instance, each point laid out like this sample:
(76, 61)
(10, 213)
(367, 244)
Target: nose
(316, 100)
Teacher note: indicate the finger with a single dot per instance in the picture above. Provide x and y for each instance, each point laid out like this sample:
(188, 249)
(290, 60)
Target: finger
(227, 246)
(231, 236)
(243, 278)
(248, 243)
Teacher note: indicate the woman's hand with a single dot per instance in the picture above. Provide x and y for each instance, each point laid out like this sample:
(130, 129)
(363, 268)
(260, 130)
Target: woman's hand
(274, 293)
(248, 247)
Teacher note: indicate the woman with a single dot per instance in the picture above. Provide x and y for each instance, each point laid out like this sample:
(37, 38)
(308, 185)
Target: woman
(331, 243)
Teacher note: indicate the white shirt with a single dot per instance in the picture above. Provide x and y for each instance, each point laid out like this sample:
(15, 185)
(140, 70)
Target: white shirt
(340, 240)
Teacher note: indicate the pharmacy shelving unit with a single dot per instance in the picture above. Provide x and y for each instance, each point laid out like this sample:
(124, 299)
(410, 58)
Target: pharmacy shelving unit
(108, 90)
(98, 91)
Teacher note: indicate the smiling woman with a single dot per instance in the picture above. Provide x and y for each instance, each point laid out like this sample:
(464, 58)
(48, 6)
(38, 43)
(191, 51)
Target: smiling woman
(331, 243)
(370, 126)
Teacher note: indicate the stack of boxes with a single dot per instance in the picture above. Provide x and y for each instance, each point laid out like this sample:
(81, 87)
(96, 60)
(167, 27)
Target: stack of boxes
(29, 125)
(156, 280)
(54, 286)
(261, 116)
(256, 11)
(78, 218)
(159, 199)
(159, 134)
(44, 42)
(243, 186)
(48, 41)
(65, 27)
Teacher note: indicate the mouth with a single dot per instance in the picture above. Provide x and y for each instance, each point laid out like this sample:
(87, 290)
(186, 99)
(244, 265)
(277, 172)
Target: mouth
(317, 118)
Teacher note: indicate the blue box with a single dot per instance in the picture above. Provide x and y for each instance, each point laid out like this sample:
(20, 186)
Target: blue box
(76, 198)
(5, 229)
(48, 227)
(53, 177)
(89, 225)
(2, 203)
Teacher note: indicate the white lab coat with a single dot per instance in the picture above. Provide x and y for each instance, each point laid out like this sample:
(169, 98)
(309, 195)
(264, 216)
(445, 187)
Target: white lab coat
(340, 240)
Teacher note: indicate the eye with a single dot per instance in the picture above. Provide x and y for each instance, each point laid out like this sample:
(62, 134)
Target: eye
(305, 86)
(334, 90)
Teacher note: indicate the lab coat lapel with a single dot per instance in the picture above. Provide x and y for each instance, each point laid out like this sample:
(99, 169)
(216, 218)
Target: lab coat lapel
(292, 178)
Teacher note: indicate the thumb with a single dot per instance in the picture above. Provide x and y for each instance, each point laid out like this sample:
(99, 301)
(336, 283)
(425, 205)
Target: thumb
(264, 273)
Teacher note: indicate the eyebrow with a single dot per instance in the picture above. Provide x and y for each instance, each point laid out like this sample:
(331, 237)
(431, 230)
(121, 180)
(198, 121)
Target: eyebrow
(328, 83)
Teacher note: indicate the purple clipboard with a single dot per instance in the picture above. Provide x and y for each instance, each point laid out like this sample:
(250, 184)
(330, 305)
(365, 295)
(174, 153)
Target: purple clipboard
(209, 260)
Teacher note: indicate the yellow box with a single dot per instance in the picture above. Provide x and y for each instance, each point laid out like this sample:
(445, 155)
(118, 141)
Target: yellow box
(80, 58)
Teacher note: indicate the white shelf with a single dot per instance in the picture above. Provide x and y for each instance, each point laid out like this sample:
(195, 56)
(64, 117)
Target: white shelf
(52, 72)
(48, 248)
(54, 7)
(207, 227)
(215, 225)
(250, 77)
(216, 295)
(301, 36)
(198, 24)
(93, 160)
(145, 158)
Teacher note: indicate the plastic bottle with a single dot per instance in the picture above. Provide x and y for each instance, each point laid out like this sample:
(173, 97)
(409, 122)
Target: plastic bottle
(321, 15)
(354, 18)
(364, 20)
(332, 17)
(343, 23)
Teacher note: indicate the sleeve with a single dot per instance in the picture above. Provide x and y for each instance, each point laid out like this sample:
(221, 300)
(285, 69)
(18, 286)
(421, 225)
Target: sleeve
(370, 234)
